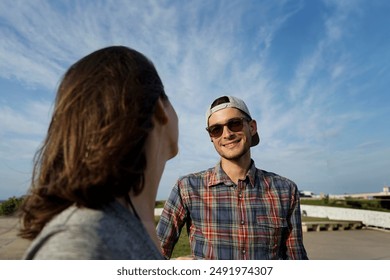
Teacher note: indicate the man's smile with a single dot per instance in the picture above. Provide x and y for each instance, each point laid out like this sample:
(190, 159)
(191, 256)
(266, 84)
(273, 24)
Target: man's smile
(231, 144)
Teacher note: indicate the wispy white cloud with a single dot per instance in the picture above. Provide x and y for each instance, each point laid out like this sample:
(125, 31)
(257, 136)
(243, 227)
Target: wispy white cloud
(310, 112)
(22, 131)
(31, 120)
(201, 50)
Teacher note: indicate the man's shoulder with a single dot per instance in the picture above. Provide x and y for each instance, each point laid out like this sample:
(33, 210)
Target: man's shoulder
(196, 180)
(197, 175)
(271, 176)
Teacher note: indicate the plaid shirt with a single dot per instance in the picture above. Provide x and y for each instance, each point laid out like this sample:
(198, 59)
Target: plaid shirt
(259, 218)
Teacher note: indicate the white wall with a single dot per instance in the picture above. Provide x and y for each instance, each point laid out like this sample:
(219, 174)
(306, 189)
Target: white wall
(367, 217)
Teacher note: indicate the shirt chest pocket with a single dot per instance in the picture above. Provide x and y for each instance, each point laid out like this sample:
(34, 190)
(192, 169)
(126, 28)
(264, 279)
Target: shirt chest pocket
(269, 231)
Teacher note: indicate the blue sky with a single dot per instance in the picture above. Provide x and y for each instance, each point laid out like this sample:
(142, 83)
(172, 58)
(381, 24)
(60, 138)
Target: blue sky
(315, 76)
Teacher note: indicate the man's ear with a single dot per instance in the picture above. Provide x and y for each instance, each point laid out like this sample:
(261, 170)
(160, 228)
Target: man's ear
(253, 127)
(160, 112)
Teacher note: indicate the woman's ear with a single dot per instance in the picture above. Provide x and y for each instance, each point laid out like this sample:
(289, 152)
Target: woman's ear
(160, 112)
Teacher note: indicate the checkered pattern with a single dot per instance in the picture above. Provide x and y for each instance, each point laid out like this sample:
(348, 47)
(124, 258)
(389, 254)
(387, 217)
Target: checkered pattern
(259, 218)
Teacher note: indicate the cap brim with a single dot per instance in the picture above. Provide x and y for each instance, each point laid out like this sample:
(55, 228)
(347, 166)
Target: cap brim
(255, 140)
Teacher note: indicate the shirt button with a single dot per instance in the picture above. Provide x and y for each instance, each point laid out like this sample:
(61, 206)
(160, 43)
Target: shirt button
(243, 251)
(240, 195)
(242, 222)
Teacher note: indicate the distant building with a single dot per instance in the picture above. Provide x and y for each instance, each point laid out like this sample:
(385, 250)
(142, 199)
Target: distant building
(306, 194)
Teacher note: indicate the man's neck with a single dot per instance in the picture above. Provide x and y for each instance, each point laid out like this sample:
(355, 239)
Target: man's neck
(236, 169)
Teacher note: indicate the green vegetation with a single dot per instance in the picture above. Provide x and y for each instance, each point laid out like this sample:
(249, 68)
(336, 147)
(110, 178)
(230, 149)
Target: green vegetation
(160, 203)
(182, 247)
(10, 206)
(313, 219)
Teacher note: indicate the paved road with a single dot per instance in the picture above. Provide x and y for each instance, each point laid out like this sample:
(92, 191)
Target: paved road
(362, 244)
(11, 247)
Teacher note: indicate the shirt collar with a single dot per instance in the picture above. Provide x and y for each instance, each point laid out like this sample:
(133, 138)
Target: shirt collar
(218, 176)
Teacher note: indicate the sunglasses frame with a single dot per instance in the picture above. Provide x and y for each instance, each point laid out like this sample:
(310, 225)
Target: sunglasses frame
(228, 124)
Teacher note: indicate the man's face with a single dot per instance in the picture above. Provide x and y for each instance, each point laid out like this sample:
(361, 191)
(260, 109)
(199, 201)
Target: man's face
(232, 145)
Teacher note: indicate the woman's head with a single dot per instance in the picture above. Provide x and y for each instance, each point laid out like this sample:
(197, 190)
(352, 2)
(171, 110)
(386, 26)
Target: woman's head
(102, 116)
(94, 150)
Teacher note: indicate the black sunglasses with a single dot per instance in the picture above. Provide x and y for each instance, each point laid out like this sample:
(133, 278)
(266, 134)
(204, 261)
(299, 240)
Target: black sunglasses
(235, 125)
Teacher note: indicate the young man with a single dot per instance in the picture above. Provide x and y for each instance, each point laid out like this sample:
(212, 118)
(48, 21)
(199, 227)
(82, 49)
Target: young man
(234, 210)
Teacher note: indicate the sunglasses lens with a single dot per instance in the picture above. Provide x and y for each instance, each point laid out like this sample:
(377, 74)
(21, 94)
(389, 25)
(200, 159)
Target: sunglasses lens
(235, 125)
(215, 130)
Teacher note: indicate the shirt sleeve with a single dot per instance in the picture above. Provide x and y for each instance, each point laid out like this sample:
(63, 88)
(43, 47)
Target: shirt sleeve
(171, 222)
(294, 243)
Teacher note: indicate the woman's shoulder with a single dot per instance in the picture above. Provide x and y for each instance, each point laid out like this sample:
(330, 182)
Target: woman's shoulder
(83, 233)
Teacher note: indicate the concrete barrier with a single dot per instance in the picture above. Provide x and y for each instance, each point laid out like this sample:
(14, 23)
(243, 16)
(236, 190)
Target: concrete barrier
(368, 218)
(331, 225)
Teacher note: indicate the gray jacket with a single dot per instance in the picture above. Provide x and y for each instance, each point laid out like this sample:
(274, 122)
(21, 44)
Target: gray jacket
(83, 233)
